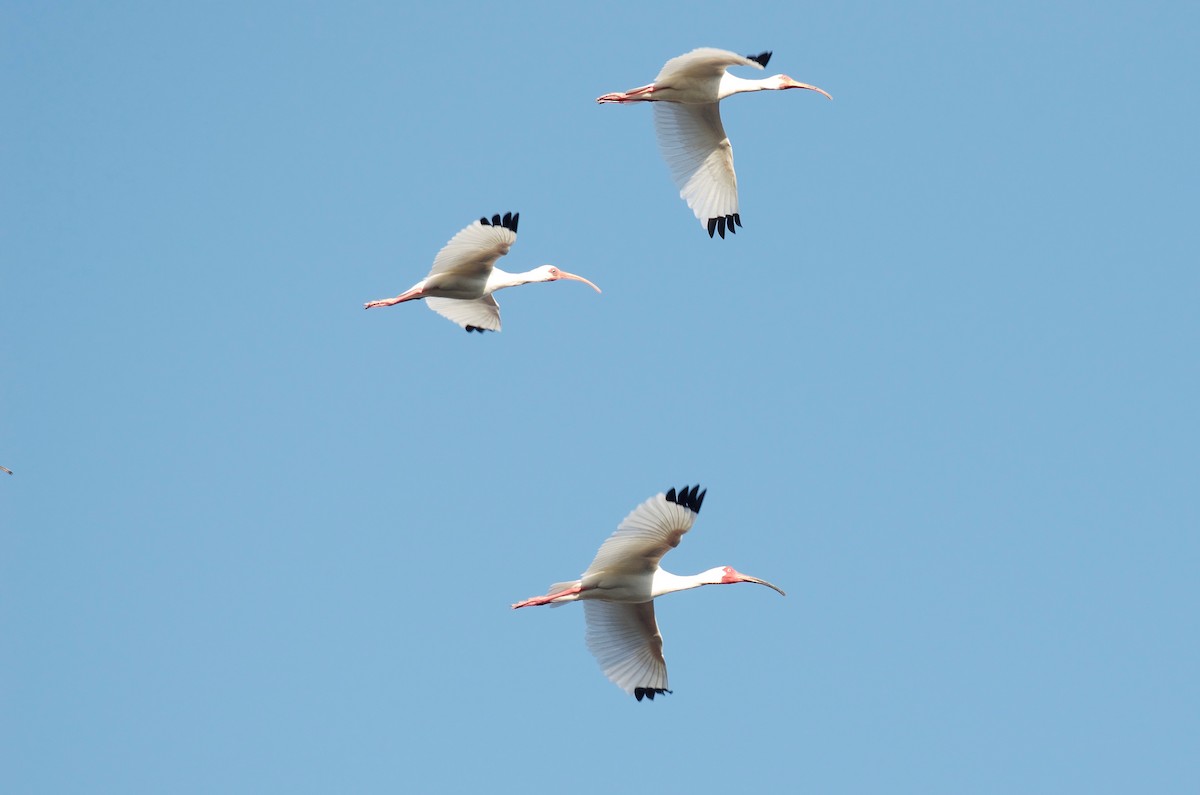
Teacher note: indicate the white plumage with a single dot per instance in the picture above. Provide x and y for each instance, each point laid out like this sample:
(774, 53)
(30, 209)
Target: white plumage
(687, 117)
(625, 640)
(464, 275)
(620, 585)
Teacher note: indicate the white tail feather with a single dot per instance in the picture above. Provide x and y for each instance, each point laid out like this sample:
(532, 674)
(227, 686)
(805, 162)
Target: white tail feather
(563, 586)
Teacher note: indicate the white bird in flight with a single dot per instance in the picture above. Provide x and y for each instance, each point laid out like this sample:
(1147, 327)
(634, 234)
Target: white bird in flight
(688, 92)
(464, 276)
(6, 469)
(619, 587)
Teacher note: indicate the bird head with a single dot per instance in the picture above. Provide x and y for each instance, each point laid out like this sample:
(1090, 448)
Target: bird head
(549, 273)
(783, 81)
(727, 575)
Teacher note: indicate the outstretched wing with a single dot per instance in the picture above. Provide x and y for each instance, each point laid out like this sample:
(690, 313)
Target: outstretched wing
(625, 640)
(480, 314)
(706, 62)
(470, 255)
(700, 158)
(650, 531)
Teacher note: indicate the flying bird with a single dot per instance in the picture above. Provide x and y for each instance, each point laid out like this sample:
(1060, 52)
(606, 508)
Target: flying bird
(6, 469)
(619, 587)
(464, 275)
(687, 115)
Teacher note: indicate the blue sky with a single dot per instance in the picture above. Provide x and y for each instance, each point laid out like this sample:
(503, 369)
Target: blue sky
(942, 389)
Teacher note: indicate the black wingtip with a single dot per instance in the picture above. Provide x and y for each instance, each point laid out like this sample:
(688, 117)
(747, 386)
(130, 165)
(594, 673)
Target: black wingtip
(761, 59)
(722, 223)
(474, 328)
(508, 221)
(649, 692)
(691, 499)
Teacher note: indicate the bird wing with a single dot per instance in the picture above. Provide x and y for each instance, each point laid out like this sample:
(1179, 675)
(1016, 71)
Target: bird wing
(650, 531)
(480, 314)
(700, 158)
(473, 252)
(701, 63)
(625, 640)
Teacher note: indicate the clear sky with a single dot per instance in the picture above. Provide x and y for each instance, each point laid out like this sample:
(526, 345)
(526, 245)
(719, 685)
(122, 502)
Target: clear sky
(942, 388)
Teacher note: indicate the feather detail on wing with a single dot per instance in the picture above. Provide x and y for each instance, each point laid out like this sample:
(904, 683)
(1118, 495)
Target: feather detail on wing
(480, 314)
(698, 154)
(650, 531)
(625, 640)
(473, 251)
(702, 62)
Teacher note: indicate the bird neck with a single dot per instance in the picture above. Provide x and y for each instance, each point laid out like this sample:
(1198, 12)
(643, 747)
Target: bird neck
(665, 582)
(499, 279)
(732, 84)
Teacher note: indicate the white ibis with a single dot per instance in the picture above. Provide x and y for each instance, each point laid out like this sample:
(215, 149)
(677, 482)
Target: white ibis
(464, 276)
(6, 469)
(688, 92)
(619, 587)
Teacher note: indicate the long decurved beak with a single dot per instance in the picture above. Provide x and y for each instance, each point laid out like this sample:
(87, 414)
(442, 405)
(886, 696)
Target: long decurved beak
(562, 274)
(796, 84)
(748, 578)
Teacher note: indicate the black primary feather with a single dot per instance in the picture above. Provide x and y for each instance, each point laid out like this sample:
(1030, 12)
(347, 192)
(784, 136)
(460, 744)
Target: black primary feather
(723, 223)
(761, 59)
(509, 221)
(692, 500)
(649, 692)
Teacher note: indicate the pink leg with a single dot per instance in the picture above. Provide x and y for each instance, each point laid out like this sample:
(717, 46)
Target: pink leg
(409, 295)
(633, 95)
(548, 598)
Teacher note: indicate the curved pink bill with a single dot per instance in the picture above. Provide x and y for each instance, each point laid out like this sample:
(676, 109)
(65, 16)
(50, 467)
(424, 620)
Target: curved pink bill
(562, 274)
(821, 91)
(748, 578)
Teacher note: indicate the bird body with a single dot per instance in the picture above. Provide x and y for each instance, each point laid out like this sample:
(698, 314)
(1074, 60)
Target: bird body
(464, 275)
(620, 585)
(691, 137)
